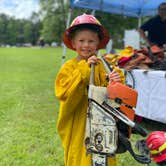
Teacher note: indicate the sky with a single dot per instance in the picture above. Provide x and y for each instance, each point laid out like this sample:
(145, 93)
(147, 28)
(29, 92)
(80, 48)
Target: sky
(19, 8)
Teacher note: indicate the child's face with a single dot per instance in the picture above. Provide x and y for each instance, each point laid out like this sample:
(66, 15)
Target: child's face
(85, 43)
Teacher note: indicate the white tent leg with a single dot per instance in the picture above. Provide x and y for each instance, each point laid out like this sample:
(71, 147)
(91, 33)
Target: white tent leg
(67, 25)
(93, 12)
(139, 24)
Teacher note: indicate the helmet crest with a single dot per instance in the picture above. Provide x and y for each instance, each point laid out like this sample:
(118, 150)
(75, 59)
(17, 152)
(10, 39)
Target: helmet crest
(85, 18)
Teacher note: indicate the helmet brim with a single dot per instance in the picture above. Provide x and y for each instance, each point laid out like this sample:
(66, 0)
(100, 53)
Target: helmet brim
(103, 42)
(159, 159)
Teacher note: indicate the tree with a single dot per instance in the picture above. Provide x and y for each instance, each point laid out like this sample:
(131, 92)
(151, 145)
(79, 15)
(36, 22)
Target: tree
(17, 31)
(28, 33)
(36, 27)
(11, 32)
(55, 14)
(3, 24)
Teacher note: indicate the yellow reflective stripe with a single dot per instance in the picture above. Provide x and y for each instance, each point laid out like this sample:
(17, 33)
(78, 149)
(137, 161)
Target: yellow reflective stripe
(161, 148)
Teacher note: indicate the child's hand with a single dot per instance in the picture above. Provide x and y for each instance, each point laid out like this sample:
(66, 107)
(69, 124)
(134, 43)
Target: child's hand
(92, 60)
(114, 76)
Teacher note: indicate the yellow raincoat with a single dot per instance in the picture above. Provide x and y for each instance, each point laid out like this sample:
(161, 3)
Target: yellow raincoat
(71, 88)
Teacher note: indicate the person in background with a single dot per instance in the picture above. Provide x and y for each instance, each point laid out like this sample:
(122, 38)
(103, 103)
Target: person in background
(156, 28)
(156, 143)
(85, 36)
(41, 42)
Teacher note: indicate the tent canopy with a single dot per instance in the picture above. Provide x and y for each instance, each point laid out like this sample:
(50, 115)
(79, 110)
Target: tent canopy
(132, 8)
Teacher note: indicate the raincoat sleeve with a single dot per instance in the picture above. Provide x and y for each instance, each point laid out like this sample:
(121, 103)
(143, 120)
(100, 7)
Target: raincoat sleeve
(73, 76)
(121, 73)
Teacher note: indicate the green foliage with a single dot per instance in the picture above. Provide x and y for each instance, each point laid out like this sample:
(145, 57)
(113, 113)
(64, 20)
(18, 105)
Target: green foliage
(10, 28)
(54, 20)
(51, 33)
(28, 33)
(14, 31)
(3, 26)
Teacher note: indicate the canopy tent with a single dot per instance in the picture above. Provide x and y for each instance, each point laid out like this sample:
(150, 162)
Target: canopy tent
(131, 8)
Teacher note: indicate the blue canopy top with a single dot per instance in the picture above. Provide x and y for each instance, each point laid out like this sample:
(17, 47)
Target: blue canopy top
(133, 8)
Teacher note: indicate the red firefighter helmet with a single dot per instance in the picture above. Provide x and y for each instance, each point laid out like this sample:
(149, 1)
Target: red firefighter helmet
(85, 19)
(156, 142)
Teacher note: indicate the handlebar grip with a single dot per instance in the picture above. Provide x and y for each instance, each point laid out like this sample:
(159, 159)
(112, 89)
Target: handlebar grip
(140, 130)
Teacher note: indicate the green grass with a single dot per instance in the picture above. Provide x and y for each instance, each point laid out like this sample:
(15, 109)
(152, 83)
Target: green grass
(29, 109)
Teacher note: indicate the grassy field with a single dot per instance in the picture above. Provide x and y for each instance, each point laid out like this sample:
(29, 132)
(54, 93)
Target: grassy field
(29, 109)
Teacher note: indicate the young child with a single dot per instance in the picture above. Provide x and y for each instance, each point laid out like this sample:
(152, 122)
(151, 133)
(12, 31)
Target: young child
(86, 35)
(156, 142)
